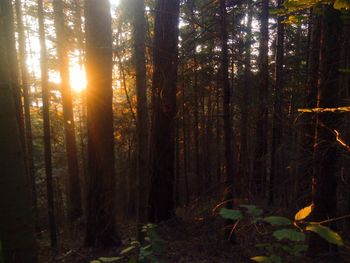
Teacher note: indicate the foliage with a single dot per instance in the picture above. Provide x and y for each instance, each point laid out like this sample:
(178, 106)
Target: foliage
(289, 234)
(146, 252)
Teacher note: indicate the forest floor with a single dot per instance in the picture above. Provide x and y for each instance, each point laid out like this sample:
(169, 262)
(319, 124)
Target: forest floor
(196, 235)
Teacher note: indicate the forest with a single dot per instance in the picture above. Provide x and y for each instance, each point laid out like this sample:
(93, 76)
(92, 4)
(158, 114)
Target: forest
(165, 131)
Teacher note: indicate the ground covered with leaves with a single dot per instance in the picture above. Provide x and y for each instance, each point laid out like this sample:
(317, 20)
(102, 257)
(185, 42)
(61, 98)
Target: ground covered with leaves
(196, 235)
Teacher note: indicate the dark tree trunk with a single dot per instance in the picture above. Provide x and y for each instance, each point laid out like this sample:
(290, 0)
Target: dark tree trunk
(47, 133)
(260, 162)
(229, 159)
(101, 186)
(325, 147)
(308, 121)
(161, 203)
(74, 191)
(277, 119)
(16, 218)
(142, 112)
(243, 156)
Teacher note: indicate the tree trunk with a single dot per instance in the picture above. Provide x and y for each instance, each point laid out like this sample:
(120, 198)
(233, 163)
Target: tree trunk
(229, 159)
(16, 218)
(325, 147)
(101, 194)
(277, 119)
(142, 113)
(260, 162)
(46, 116)
(161, 203)
(74, 191)
(243, 156)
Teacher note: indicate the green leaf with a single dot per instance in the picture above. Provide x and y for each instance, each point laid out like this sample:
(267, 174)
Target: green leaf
(252, 210)
(127, 250)
(112, 259)
(95, 261)
(326, 233)
(278, 220)
(230, 214)
(289, 234)
(263, 259)
(304, 213)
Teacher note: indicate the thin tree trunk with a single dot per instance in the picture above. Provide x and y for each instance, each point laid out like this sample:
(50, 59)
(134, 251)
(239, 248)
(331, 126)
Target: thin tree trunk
(26, 102)
(277, 119)
(46, 116)
(229, 159)
(74, 191)
(260, 162)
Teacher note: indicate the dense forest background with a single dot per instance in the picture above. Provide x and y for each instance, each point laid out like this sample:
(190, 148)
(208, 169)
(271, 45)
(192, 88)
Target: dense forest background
(114, 114)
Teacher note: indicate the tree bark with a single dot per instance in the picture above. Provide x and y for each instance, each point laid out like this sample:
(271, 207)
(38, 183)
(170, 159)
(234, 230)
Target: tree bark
(277, 119)
(260, 162)
(16, 218)
(74, 191)
(161, 203)
(229, 159)
(101, 187)
(325, 147)
(47, 133)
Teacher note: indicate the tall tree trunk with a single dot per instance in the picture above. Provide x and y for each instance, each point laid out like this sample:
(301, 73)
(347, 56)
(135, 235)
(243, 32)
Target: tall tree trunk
(26, 102)
(74, 191)
(243, 156)
(325, 147)
(46, 116)
(277, 119)
(260, 162)
(229, 159)
(142, 113)
(16, 218)
(15, 83)
(101, 185)
(308, 121)
(165, 60)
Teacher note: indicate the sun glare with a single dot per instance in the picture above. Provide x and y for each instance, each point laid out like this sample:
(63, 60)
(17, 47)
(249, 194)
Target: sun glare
(77, 78)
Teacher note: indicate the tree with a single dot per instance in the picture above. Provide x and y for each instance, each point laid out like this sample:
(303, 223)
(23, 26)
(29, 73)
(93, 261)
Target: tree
(47, 132)
(26, 102)
(229, 159)
(259, 172)
(325, 157)
(161, 203)
(142, 112)
(277, 119)
(74, 192)
(16, 218)
(101, 186)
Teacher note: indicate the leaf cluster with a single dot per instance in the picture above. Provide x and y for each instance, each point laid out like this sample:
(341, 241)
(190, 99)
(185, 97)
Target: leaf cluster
(289, 234)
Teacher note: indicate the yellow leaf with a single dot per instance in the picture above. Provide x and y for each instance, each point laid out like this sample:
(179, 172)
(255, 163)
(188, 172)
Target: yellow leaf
(303, 213)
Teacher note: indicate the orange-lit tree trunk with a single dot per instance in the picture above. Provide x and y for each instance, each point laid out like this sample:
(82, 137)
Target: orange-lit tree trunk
(161, 203)
(74, 191)
(46, 116)
(101, 186)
